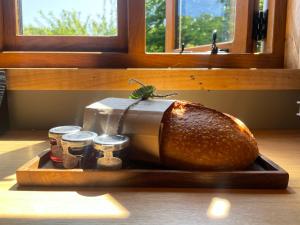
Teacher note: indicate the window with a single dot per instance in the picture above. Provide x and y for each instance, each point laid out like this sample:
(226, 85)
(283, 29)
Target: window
(172, 24)
(140, 33)
(66, 25)
(196, 20)
(64, 18)
(155, 25)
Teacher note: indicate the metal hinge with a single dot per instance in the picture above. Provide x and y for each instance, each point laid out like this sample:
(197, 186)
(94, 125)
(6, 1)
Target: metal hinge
(260, 25)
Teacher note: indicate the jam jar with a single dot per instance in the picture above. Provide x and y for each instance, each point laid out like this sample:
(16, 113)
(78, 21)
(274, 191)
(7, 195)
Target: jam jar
(55, 135)
(110, 146)
(78, 150)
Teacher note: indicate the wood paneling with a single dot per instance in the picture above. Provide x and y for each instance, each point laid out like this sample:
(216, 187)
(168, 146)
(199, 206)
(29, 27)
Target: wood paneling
(292, 45)
(163, 79)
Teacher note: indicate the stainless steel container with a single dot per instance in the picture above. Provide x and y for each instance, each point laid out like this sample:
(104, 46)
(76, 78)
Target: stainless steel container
(108, 144)
(55, 134)
(141, 122)
(78, 150)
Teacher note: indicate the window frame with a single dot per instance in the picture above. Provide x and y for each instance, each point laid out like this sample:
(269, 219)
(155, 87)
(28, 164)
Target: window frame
(15, 42)
(136, 56)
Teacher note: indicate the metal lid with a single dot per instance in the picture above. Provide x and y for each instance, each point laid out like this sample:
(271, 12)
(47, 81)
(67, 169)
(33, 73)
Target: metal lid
(64, 129)
(84, 137)
(111, 142)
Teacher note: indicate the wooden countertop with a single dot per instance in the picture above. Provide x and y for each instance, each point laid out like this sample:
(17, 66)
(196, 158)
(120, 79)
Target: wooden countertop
(147, 206)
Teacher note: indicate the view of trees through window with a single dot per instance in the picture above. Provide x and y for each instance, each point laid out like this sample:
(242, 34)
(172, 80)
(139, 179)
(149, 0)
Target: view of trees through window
(155, 25)
(195, 20)
(68, 17)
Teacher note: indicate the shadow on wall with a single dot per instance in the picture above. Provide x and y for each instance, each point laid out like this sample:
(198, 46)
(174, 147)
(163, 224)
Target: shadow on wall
(258, 109)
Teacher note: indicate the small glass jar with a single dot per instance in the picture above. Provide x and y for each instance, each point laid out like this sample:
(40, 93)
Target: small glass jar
(55, 134)
(108, 144)
(78, 150)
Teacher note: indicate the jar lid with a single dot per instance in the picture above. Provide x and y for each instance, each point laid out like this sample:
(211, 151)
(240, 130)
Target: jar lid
(111, 142)
(59, 131)
(83, 137)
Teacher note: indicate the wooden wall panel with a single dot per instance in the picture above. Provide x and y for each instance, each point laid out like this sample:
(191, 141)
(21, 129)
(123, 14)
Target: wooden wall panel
(163, 79)
(292, 45)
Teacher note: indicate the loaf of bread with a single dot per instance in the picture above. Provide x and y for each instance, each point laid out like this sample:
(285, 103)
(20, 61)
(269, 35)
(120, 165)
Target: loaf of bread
(198, 138)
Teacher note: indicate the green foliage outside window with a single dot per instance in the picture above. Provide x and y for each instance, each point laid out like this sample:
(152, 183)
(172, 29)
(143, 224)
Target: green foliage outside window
(194, 31)
(155, 25)
(70, 23)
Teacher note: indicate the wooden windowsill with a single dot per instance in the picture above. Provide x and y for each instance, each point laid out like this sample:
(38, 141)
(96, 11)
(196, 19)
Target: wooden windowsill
(23, 59)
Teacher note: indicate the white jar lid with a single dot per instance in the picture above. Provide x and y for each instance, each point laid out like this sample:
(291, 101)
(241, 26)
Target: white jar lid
(60, 131)
(81, 138)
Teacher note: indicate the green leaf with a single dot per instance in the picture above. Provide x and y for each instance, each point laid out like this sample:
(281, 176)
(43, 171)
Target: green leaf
(144, 92)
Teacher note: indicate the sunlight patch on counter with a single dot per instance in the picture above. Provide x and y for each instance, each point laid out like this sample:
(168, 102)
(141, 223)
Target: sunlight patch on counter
(13, 145)
(219, 208)
(64, 205)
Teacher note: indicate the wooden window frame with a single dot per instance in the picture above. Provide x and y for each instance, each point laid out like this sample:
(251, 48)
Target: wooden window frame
(136, 56)
(242, 41)
(15, 42)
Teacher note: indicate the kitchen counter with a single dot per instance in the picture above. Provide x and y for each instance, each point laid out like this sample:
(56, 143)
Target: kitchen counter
(147, 205)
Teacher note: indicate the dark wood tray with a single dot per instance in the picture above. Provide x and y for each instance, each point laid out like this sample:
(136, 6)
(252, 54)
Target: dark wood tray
(262, 174)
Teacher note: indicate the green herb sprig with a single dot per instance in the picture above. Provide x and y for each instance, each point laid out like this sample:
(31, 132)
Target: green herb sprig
(146, 91)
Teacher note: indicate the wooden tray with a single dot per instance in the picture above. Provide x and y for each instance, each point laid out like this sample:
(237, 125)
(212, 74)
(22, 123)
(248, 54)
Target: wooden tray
(262, 174)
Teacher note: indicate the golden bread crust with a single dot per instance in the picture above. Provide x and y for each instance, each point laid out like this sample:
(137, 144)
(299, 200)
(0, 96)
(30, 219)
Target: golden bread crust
(198, 138)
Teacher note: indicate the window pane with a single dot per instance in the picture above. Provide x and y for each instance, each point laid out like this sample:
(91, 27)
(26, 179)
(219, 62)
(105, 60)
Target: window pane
(263, 6)
(68, 17)
(155, 25)
(197, 19)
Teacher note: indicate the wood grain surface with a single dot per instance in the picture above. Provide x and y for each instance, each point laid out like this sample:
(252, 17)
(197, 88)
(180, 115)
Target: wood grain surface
(27, 59)
(276, 27)
(163, 79)
(136, 27)
(147, 205)
(292, 44)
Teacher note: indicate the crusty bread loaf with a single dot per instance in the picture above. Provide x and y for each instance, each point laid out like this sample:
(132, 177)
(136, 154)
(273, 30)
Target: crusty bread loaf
(198, 138)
